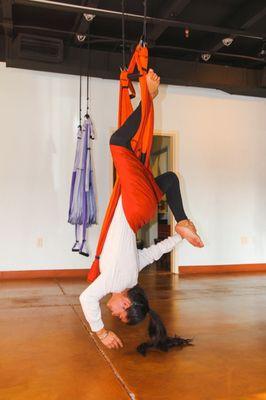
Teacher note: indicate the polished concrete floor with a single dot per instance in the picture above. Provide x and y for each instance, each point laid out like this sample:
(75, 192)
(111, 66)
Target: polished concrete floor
(47, 352)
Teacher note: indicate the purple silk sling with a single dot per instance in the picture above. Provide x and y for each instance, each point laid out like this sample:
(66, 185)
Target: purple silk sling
(82, 207)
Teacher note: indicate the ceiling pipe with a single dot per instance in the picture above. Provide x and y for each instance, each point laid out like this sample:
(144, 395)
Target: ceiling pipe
(135, 17)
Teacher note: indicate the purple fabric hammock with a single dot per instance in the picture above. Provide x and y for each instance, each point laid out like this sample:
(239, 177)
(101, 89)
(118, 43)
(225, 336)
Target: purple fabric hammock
(82, 207)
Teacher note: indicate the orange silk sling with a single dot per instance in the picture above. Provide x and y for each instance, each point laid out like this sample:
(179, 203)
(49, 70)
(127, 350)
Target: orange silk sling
(135, 182)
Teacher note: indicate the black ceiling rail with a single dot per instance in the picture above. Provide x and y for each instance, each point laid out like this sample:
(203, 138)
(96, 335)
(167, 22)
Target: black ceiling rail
(138, 18)
(44, 29)
(108, 39)
(213, 53)
(246, 18)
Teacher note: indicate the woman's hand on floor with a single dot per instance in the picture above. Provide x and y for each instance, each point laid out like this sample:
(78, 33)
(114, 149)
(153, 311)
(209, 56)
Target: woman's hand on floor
(110, 340)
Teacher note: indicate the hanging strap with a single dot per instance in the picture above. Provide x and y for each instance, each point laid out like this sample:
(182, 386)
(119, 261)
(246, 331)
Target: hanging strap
(80, 85)
(141, 143)
(123, 35)
(144, 36)
(88, 76)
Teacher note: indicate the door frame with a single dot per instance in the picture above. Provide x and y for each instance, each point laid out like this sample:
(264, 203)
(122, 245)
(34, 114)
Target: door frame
(173, 136)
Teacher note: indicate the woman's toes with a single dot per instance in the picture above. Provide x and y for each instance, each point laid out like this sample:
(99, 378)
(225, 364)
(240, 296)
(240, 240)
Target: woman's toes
(152, 83)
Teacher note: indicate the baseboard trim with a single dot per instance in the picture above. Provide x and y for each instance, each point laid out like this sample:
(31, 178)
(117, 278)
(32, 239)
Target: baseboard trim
(82, 273)
(221, 269)
(49, 273)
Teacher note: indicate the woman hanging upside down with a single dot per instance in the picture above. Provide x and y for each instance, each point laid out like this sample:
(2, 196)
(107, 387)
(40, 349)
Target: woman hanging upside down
(121, 261)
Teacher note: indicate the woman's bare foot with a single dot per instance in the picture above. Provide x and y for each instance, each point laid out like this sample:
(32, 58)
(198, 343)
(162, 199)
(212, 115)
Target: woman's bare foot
(153, 82)
(186, 229)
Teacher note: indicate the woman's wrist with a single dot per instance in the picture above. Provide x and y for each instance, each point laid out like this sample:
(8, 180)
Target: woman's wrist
(102, 333)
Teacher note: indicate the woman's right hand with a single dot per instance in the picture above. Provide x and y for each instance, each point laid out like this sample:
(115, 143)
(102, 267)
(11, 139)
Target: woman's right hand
(111, 341)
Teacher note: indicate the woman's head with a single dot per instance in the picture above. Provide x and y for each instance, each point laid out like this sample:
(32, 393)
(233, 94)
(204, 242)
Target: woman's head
(118, 305)
(132, 306)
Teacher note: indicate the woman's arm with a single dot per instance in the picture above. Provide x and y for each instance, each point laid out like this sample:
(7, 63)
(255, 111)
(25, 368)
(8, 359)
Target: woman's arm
(90, 304)
(149, 255)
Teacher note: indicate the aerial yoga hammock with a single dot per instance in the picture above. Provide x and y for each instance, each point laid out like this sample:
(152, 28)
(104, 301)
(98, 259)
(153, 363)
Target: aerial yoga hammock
(140, 193)
(82, 207)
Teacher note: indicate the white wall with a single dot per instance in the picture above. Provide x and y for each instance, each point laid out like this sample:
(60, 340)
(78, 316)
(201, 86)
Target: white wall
(220, 158)
(38, 119)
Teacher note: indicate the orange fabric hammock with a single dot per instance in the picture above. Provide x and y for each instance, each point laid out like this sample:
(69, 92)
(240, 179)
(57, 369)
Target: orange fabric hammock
(135, 182)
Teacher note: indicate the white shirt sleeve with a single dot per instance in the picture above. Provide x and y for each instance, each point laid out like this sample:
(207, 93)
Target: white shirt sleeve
(90, 301)
(154, 252)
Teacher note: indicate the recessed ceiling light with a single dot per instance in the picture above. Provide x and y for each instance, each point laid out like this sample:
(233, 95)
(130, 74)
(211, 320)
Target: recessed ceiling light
(205, 56)
(81, 38)
(89, 17)
(227, 41)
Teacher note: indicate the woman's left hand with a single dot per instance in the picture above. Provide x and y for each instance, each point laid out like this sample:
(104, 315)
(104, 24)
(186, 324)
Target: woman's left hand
(112, 341)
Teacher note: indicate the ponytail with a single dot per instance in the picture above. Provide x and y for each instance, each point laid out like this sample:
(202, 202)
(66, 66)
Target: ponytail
(158, 336)
(156, 329)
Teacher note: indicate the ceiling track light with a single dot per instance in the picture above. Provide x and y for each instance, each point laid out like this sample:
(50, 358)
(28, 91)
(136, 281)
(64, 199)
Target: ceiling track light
(227, 41)
(88, 17)
(205, 56)
(81, 38)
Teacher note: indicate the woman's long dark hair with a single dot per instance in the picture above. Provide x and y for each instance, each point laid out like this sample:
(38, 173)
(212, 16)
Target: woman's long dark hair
(157, 331)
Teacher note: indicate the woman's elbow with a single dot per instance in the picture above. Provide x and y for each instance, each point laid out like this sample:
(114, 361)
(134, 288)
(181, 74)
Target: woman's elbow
(83, 297)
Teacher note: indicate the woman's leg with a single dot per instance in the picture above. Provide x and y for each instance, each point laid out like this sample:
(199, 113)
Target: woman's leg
(123, 135)
(169, 184)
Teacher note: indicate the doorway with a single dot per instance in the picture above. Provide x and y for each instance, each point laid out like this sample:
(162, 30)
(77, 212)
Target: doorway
(160, 227)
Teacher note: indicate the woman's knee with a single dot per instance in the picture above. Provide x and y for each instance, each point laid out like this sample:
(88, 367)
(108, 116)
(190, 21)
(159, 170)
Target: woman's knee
(117, 139)
(173, 177)
(112, 139)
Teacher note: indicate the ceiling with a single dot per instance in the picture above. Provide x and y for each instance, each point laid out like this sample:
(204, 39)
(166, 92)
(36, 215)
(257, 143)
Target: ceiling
(184, 38)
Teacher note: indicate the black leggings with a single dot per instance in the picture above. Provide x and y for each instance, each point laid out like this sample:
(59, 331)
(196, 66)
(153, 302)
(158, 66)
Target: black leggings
(167, 182)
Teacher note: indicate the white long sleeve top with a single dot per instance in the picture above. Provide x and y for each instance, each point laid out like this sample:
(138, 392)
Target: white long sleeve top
(120, 264)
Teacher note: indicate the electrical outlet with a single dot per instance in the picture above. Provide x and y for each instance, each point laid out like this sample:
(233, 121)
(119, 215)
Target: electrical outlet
(244, 240)
(39, 242)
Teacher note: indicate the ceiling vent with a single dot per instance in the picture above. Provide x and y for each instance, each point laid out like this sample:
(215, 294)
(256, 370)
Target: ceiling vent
(39, 48)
